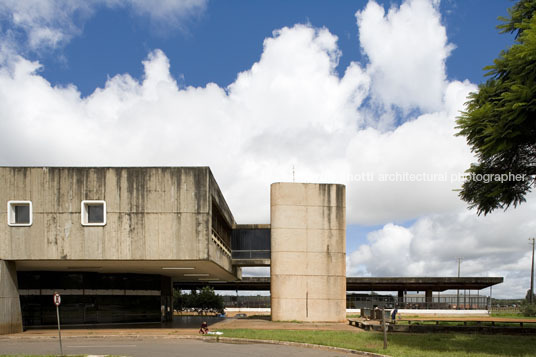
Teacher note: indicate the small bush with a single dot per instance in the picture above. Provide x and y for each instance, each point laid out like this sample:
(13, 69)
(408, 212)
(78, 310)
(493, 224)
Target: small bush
(528, 310)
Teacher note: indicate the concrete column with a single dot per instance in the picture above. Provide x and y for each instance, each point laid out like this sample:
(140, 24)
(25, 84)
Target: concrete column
(429, 299)
(166, 298)
(10, 312)
(308, 252)
(401, 298)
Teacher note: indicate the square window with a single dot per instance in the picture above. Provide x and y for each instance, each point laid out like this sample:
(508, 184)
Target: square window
(22, 214)
(19, 213)
(93, 213)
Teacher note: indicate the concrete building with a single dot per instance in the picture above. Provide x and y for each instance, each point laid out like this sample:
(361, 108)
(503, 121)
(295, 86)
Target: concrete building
(308, 240)
(112, 241)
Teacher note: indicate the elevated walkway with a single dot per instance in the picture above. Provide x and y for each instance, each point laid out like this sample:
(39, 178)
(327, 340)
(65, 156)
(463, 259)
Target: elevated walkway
(250, 245)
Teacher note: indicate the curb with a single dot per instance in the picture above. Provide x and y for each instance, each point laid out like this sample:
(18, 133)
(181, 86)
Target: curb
(215, 339)
(298, 344)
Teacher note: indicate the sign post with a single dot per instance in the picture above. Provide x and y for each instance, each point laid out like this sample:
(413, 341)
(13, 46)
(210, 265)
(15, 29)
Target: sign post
(384, 328)
(57, 302)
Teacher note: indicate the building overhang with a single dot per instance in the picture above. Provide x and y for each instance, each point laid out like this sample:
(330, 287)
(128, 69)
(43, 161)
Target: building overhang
(368, 284)
(420, 283)
(198, 271)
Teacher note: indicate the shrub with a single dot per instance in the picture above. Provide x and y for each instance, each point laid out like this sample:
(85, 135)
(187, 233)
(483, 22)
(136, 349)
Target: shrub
(528, 309)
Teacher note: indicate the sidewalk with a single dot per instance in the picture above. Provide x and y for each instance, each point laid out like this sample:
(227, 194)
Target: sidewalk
(95, 332)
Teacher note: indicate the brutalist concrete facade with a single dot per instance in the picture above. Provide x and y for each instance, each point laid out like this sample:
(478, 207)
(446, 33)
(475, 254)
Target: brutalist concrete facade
(308, 253)
(157, 221)
(10, 312)
(160, 225)
(152, 214)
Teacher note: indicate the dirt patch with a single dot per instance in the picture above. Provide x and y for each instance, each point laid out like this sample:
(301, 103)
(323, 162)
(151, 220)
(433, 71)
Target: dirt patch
(259, 324)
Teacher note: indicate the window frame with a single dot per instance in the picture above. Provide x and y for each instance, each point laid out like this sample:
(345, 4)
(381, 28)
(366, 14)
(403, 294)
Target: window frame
(11, 215)
(84, 219)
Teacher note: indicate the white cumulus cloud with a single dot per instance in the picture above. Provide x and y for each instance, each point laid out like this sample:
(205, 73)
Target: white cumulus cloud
(493, 245)
(414, 168)
(275, 114)
(407, 49)
(289, 109)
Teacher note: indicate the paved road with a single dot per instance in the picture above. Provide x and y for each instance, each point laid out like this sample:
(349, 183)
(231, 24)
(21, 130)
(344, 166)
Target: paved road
(155, 347)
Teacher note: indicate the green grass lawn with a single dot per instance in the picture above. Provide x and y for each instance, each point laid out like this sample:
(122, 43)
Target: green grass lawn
(510, 315)
(468, 323)
(402, 344)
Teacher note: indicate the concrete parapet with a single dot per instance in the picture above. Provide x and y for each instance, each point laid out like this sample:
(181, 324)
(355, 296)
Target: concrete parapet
(151, 213)
(308, 252)
(10, 312)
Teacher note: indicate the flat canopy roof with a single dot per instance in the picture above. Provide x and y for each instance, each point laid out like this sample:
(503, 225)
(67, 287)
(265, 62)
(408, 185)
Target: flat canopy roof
(420, 284)
(364, 284)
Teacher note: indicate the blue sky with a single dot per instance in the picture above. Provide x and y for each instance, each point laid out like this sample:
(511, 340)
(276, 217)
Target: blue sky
(227, 38)
(364, 93)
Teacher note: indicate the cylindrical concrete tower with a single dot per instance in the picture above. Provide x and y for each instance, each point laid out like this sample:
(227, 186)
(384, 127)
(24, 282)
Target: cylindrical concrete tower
(308, 258)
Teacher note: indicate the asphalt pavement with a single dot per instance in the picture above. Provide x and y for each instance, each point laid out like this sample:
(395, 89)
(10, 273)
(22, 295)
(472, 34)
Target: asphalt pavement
(156, 347)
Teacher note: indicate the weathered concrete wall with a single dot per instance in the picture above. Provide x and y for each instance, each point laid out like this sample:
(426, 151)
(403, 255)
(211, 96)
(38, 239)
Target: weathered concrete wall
(308, 244)
(219, 200)
(216, 253)
(152, 213)
(10, 312)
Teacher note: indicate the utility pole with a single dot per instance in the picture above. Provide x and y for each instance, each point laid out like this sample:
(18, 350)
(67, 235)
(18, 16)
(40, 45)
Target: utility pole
(531, 298)
(458, 291)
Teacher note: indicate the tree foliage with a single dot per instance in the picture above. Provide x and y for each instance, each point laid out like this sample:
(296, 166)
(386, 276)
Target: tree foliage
(179, 300)
(527, 296)
(527, 308)
(204, 300)
(519, 16)
(499, 122)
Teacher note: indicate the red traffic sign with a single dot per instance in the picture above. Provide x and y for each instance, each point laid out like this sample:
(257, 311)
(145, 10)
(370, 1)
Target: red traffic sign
(57, 299)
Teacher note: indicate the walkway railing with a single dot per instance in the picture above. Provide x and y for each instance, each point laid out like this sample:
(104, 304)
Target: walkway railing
(251, 254)
(221, 243)
(449, 302)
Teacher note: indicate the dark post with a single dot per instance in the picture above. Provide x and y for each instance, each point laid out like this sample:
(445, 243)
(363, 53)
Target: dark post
(531, 298)
(401, 298)
(458, 291)
(469, 299)
(490, 301)
(59, 329)
(384, 327)
(57, 302)
(429, 299)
